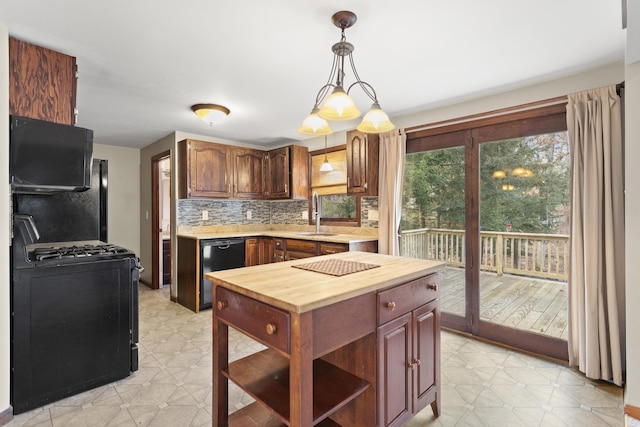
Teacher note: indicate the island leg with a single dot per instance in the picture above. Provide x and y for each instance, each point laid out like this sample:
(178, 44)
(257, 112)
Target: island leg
(301, 370)
(220, 362)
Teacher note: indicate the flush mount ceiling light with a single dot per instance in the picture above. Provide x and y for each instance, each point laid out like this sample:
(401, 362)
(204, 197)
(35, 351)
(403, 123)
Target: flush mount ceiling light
(339, 105)
(210, 113)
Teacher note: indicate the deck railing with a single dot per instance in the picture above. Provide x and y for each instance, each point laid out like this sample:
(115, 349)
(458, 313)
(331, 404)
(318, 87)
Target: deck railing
(528, 254)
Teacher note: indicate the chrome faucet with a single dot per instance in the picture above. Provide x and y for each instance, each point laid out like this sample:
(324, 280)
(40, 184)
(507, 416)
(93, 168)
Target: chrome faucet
(316, 210)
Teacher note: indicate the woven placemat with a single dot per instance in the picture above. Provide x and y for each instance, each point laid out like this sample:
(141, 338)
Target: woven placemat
(336, 267)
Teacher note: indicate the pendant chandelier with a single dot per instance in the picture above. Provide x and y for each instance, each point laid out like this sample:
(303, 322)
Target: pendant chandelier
(339, 105)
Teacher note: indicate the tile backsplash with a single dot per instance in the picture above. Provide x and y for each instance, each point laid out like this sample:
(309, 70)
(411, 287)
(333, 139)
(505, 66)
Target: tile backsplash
(194, 213)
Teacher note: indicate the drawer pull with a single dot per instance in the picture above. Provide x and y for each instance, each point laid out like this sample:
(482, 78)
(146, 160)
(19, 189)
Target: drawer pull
(391, 305)
(222, 305)
(432, 286)
(271, 328)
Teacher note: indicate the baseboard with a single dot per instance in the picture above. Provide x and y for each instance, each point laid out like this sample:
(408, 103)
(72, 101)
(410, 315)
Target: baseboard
(6, 416)
(146, 283)
(632, 411)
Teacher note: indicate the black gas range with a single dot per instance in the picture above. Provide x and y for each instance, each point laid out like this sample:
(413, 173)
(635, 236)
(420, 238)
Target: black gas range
(74, 322)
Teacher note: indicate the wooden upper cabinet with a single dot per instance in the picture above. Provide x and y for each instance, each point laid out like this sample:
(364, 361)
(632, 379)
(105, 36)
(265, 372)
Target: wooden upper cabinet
(277, 174)
(42, 83)
(362, 163)
(211, 170)
(248, 173)
(205, 169)
(287, 173)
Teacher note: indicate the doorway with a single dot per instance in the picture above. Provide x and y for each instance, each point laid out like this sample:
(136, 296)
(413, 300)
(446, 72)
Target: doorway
(162, 221)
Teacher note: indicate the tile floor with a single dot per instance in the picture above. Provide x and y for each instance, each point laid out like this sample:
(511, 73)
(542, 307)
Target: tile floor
(482, 385)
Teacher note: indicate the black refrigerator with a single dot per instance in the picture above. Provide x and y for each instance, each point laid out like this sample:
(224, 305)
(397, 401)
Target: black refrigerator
(70, 216)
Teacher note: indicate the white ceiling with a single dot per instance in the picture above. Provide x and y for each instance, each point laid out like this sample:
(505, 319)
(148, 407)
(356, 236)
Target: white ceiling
(143, 63)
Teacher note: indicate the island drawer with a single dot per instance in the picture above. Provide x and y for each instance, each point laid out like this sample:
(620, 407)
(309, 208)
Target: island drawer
(397, 301)
(263, 322)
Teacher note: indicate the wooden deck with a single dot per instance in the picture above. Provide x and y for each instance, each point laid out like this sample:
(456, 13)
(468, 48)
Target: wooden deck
(535, 305)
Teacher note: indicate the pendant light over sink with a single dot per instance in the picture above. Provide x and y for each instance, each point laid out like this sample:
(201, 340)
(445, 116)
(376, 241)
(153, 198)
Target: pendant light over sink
(326, 166)
(339, 105)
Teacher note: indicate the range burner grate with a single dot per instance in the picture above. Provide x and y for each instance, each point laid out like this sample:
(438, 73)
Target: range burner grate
(81, 251)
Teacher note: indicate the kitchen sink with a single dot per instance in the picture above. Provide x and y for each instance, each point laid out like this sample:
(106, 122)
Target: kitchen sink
(313, 233)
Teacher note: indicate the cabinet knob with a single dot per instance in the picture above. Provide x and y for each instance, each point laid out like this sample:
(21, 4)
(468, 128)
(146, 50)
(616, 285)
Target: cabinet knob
(271, 328)
(222, 305)
(412, 366)
(391, 305)
(416, 362)
(432, 286)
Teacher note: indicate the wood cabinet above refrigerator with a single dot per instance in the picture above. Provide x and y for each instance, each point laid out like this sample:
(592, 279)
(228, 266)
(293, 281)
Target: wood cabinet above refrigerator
(42, 83)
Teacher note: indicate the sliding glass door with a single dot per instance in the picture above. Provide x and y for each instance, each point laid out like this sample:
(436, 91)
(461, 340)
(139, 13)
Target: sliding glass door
(490, 198)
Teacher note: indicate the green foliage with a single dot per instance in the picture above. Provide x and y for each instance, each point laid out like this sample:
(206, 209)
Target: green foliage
(338, 206)
(434, 186)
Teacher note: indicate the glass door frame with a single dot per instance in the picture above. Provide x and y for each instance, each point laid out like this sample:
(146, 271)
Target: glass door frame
(533, 119)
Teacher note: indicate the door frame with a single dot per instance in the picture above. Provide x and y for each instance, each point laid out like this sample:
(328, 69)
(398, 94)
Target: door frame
(156, 230)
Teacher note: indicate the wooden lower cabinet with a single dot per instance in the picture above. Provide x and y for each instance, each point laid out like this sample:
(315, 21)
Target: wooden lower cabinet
(258, 250)
(290, 249)
(408, 354)
(166, 261)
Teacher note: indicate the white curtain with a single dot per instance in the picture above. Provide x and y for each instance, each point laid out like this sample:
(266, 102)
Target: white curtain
(597, 281)
(392, 158)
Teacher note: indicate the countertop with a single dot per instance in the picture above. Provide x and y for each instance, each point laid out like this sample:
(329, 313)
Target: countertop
(296, 290)
(330, 237)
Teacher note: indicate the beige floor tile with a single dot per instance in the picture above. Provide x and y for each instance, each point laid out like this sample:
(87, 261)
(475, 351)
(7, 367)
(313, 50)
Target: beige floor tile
(482, 384)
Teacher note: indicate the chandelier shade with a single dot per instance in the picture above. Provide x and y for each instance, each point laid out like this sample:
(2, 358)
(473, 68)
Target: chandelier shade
(315, 125)
(338, 105)
(375, 121)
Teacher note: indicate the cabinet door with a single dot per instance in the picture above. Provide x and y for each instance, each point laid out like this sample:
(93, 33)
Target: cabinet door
(277, 174)
(248, 173)
(394, 375)
(42, 83)
(426, 355)
(362, 163)
(209, 170)
(266, 250)
(251, 252)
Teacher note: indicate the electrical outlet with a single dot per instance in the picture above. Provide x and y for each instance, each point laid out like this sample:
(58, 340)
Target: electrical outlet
(205, 215)
(305, 214)
(373, 215)
(249, 214)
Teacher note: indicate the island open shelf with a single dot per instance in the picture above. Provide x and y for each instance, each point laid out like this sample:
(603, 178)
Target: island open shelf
(265, 377)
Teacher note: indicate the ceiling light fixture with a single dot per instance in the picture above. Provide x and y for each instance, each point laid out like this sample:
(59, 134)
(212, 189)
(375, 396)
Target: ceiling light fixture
(210, 113)
(339, 105)
(326, 166)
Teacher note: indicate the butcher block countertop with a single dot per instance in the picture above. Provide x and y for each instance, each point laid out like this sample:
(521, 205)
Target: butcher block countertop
(297, 290)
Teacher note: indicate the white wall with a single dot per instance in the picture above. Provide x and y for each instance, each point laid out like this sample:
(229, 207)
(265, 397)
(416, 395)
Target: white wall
(5, 208)
(123, 214)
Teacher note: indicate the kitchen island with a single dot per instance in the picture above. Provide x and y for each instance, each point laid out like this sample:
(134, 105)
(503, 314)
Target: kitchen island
(352, 340)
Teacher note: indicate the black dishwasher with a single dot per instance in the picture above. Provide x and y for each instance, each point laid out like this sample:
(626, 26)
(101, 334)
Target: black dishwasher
(216, 255)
